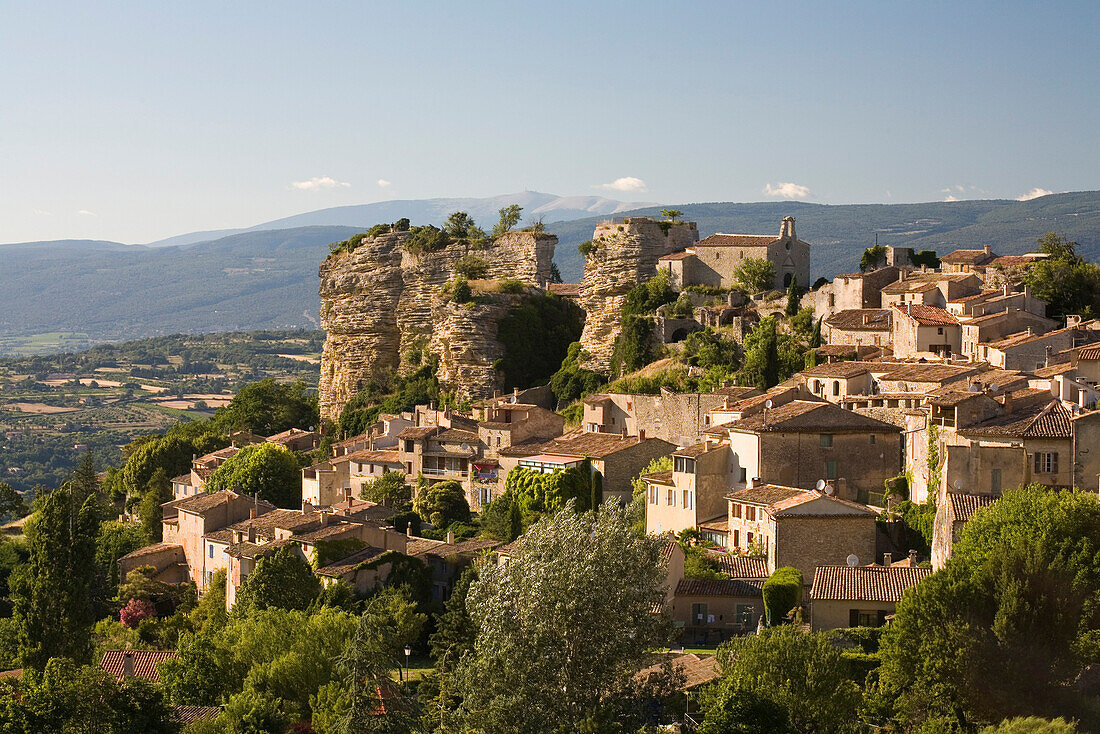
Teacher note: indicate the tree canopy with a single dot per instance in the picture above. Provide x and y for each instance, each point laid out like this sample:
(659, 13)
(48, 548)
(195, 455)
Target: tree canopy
(268, 407)
(282, 580)
(267, 470)
(1068, 283)
(442, 503)
(755, 274)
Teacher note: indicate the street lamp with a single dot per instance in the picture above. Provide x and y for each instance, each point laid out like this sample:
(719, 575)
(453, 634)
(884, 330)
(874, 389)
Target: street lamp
(408, 653)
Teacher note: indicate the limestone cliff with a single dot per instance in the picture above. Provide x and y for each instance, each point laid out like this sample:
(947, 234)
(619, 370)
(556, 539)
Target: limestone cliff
(625, 254)
(380, 302)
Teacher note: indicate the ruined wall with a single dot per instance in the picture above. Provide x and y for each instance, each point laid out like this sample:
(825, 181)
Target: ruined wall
(625, 254)
(380, 302)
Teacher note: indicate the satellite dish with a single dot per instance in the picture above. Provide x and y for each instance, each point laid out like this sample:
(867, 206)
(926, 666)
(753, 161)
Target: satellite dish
(768, 403)
(820, 484)
(958, 484)
(975, 387)
(829, 490)
(993, 387)
(853, 560)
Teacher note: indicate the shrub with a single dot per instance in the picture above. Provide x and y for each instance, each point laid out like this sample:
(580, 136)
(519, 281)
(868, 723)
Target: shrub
(536, 335)
(587, 248)
(471, 266)
(426, 239)
(136, 611)
(460, 291)
(782, 593)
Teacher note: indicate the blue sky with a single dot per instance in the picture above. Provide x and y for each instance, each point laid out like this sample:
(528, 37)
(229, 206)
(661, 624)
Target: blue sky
(137, 121)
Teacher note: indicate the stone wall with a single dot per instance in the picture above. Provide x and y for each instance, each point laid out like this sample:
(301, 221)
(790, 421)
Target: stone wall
(380, 302)
(625, 255)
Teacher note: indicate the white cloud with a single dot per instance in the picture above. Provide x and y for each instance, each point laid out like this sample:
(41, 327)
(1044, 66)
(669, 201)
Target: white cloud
(626, 183)
(787, 190)
(86, 213)
(318, 182)
(384, 184)
(1035, 193)
(949, 197)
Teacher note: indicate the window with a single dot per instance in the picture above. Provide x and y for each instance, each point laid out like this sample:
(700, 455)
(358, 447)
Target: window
(1046, 462)
(683, 464)
(830, 470)
(652, 495)
(939, 330)
(836, 387)
(735, 510)
(872, 439)
(744, 615)
(670, 499)
(211, 550)
(995, 481)
(687, 499)
(698, 613)
(826, 440)
(408, 447)
(736, 539)
(750, 515)
(748, 538)
(744, 475)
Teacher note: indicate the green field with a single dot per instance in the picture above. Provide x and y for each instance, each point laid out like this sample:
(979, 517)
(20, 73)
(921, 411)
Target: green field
(50, 342)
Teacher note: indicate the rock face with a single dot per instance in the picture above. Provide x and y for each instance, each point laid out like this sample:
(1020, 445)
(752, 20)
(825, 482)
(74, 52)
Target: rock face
(380, 302)
(626, 254)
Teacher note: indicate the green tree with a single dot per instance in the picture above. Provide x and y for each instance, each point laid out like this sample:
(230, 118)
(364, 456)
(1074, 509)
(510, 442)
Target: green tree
(804, 673)
(115, 540)
(1063, 279)
(172, 453)
(388, 489)
(874, 257)
(572, 381)
(564, 626)
(501, 519)
(672, 215)
(1009, 623)
(282, 580)
(250, 712)
(455, 631)
(12, 504)
(509, 217)
(760, 366)
(636, 509)
(55, 592)
(442, 503)
(536, 334)
(268, 407)
(158, 490)
(267, 470)
(730, 709)
(792, 298)
(754, 275)
(199, 673)
(782, 593)
(1031, 725)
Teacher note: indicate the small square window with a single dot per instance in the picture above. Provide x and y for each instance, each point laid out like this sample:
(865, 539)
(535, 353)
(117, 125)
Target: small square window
(826, 440)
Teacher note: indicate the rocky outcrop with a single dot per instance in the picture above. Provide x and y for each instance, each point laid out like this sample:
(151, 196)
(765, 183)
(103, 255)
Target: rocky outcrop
(381, 302)
(625, 254)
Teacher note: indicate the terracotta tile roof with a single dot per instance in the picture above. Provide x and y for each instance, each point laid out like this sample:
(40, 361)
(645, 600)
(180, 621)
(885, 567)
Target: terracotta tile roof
(1014, 261)
(145, 663)
(976, 297)
(963, 506)
(801, 416)
(777, 499)
(697, 669)
(738, 240)
(291, 434)
(718, 587)
(682, 255)
(865, 583)
(659, 477)
(368, 456)
(351, 441)
(928, 315)
(426, 546)
(1059, 369)
(597, 399)
(415, 432)
(314, 534)
(183, 479)
(847, 350)
(695, 450)
(454, 435)
(221, 454)
(523, 449)
(1088, 353)
(206, 501)
(925, 372)
(838, 369)
(152, 549)
(596, 445)
(225, 535)
(348, 563)
(1052, 421)
(860, 319)
(968, 257)
(740, 567)
(720, 524)
(191, 714)
(735, 391)
(952, 398)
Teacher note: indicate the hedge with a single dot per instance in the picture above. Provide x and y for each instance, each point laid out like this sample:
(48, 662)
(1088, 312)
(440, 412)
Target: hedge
(782, 593)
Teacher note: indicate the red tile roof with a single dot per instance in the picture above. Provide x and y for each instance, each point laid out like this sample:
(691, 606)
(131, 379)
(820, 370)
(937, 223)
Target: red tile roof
(968, 257)
(740, 567)
(963, 506)
(1052, 421)
(191, 714)
(682, 255)
(865, 583)
(659, 477)
(861, 319)
(145, 663)
(739, 240)
(802, 416)
(928, 315)
(718, 587)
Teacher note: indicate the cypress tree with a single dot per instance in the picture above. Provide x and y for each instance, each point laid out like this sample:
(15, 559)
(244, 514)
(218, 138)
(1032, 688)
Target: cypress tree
(792, 297)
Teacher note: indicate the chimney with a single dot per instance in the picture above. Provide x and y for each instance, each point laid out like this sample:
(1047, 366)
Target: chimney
(252, 514)
(924, 268)
(347, 495)
(623, 434)
(324, 518)
(986, 249)
(409, 530)
(912, 558)
(1007, 289)
(641, 434)
(755, 482)
(127, 664)
(307, 507)
(450, 537)
(786, 229)
(887, 559)
(251, 533)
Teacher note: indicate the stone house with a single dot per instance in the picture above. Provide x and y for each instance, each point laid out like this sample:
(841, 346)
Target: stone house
(678, 418)
(296, 439)
(994, 301)
(953, 511)
(710, 611)
(921, 331)
(364, 569)
(967, 261)
(929, 288)
(853, 292)
(859, 596)
(802, 442)
(834, 381)
(615, 460)
(713, 261)
(1028, 350)
(446, 560)
(799, 527)
(692, 492)
(994, 327)
(860, 327)
(330, 481)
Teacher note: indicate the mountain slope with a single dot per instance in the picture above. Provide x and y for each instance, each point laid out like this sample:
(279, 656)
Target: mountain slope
(268, 278)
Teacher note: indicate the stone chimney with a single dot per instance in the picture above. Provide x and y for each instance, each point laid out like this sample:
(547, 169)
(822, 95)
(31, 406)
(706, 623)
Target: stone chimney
(252, 514)
(409, 530)
(641, 434)
(324, 518)
(986, 250)
(251, 533)
(450, 537)
(347, 495)
(755, 482)
(127, 664)
(912, 558)
(786, 229)
(887, 559)
(307, 507)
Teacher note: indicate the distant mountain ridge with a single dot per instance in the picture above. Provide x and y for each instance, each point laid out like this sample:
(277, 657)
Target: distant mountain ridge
(267, 278)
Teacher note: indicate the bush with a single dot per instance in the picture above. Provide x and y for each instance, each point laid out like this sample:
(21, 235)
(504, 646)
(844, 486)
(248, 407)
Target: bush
(442, 503)
(471, 266)
(587, 248)
(137, 611)
(460, 291)
(426, 239)
(572, 381)
(782, 593)
(536, 335)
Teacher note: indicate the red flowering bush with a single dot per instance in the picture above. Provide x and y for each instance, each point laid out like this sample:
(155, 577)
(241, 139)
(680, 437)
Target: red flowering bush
(135, 611)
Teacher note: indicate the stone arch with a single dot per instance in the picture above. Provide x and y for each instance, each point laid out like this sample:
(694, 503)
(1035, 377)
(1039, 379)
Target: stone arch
(787, 279)
(679, 335)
